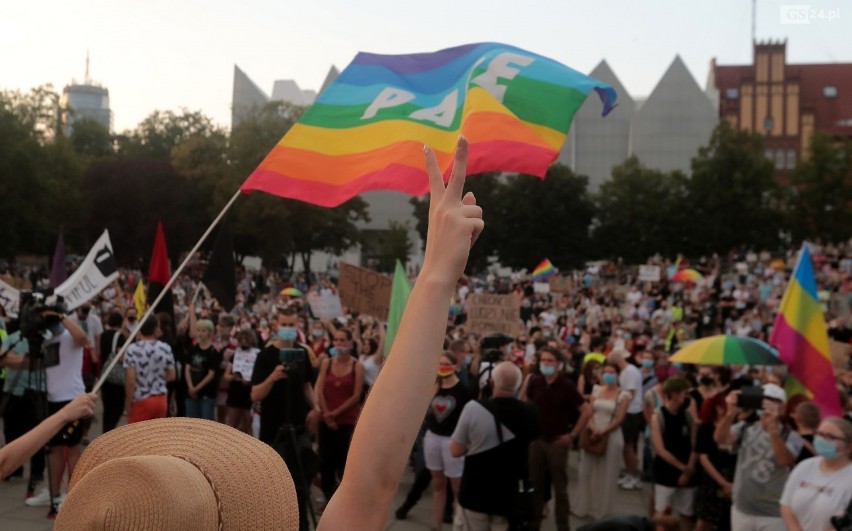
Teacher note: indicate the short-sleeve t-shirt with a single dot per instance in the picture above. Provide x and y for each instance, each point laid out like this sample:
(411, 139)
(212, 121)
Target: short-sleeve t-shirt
(201, 361)
(815, 496)
(759, 481)
(150, 359)
(65, 380)
(630, 379)
(445, 408)
(705, 444)
(287, 395)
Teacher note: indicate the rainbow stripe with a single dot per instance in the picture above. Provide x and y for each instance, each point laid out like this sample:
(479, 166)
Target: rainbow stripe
(543, 271)
(367, 130)
(800, 335)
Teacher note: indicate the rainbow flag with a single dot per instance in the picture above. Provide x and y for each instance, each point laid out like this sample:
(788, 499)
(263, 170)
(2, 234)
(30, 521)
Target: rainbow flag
(543, 271)
(366, 131)
(800, 335)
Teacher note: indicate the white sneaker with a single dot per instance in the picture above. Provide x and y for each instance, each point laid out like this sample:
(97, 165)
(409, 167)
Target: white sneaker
(631, 483)
(623, 479)
(42, 499)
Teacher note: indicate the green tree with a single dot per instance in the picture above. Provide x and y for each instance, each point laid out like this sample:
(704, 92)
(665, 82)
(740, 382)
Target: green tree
(733, 195)
(91, 140)
(536, 218)
(393, 244)
(639, 213)
(821, 192)
(162, 131)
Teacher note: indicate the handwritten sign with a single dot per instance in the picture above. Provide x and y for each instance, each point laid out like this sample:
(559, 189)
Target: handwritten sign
(541, 287)
(490, 314)
(244, 362)
(325, 307)
(560, 284)
(365, 291)
(649, 273)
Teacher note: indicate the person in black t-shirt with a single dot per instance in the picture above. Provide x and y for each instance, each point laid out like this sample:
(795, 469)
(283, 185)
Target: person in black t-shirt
(202, 373)
(441, 419)
(713, 499)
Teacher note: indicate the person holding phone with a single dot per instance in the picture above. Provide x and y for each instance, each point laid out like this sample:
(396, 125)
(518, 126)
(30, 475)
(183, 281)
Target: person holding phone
(766, 451)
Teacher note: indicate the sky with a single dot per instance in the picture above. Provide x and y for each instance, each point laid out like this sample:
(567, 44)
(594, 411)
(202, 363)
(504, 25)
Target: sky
(173, 54)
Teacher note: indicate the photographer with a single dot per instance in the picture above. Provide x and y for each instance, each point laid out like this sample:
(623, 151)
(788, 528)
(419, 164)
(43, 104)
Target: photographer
(495, 461)
(63, 358)
(494, 348)
(766, 449)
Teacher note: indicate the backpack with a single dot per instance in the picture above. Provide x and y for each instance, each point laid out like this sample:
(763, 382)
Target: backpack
(117, 375)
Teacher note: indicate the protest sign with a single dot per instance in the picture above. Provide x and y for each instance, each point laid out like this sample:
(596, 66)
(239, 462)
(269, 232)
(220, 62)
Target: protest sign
(560, 284)
(488, 314)
(840, 353)
(541, 287)
(365, 291)
(325, 307)
(244, 363)
(96, 272)
(9, 299)
(649, 273)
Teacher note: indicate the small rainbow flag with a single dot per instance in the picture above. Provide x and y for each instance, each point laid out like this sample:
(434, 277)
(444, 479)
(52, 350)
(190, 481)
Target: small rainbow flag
(366, 131)
(800, 335)
(543, 271)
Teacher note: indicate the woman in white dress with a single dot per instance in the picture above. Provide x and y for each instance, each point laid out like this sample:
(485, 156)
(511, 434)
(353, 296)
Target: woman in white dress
(598, 480)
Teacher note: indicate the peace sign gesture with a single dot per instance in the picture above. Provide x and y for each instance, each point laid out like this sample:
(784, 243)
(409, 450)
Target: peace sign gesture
(455, 222)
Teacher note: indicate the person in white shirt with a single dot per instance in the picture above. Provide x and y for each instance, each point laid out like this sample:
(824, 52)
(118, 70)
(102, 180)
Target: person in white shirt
(630, 382)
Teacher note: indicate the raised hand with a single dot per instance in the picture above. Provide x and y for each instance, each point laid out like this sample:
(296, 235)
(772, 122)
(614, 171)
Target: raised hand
(455, 222)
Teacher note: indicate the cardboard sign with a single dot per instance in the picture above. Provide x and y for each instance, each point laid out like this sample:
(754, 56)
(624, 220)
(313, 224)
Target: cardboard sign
(541, 287)
(560, 284)
(325, 307)
(365, 291)
(840, 353)
(490, 314)
(649, 273)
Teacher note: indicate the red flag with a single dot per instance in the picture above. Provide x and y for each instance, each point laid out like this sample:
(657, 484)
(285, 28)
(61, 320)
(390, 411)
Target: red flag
(159, 273)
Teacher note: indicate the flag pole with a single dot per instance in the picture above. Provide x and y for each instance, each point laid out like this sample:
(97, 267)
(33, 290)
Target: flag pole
(163, 292)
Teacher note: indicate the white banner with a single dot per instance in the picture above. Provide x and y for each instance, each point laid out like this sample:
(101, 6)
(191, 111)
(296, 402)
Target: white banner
(541, 287)
(325, 307)
(649, 273)
(9, 299)
(96, 272)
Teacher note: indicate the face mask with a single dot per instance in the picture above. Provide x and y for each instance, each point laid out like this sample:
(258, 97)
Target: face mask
(468, 360)
(825, 448)
(677, 365)
(317, 333)
(547, 370)
(507, 349)
(332, 352)
(287, 333)
(647, 363)
(445, 372)
(609, 378)
(706, 380)
(628, 336)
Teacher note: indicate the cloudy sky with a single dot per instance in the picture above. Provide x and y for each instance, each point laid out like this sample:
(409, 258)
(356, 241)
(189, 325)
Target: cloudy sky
(169, 54)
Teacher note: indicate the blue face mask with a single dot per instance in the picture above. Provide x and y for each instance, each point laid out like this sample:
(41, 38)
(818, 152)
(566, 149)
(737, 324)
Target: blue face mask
(332, 352)
(317, 333)
(547, 370)
(677, 365)
(287, 333)
(647, 363)
(609, 378)
(825, 448)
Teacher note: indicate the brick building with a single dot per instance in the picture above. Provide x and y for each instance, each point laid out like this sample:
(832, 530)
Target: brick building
(785, 102)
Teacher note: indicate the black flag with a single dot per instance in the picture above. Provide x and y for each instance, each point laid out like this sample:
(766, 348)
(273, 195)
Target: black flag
(220, 276)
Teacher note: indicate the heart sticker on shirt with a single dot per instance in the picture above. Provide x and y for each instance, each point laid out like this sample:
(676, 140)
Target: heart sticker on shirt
(443, 406)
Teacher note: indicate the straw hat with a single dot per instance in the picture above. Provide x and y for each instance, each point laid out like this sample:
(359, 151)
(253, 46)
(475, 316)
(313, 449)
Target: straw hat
(179, 473)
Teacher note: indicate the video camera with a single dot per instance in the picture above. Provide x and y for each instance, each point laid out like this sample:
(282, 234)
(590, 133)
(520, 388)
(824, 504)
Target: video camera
(31, 319)
(492, 347)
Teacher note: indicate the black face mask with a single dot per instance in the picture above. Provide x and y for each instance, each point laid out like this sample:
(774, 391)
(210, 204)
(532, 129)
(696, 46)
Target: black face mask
(706, 380)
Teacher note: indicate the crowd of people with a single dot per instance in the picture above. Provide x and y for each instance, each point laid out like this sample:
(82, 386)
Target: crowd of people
(588, 370)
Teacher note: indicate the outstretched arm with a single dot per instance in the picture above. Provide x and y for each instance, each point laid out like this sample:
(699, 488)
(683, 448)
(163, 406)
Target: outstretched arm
(18, 451)
(392, 416)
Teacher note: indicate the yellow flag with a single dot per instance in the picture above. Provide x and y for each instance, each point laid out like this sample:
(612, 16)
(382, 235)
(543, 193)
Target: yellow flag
(139, 299)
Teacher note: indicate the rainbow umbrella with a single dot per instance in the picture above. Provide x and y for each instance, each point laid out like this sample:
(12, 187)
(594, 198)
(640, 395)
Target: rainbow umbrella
(292, 292)
(687, 274)
(727, 350)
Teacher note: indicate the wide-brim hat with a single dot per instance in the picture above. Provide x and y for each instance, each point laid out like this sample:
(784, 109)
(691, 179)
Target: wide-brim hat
(179, 473)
